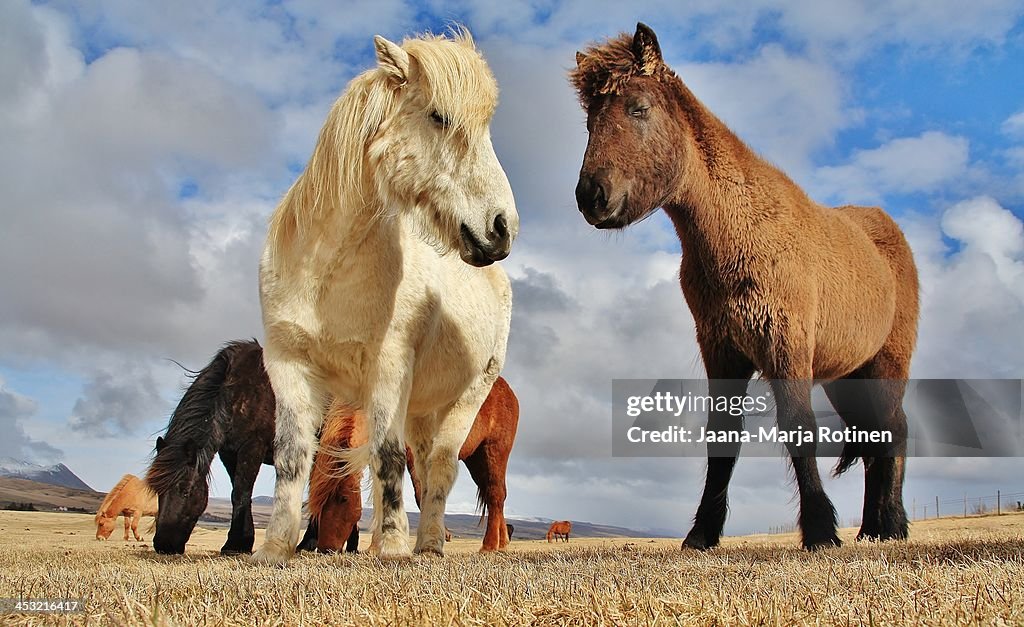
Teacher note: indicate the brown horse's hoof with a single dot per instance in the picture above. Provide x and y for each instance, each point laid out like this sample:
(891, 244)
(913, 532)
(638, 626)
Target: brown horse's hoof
(826, 543)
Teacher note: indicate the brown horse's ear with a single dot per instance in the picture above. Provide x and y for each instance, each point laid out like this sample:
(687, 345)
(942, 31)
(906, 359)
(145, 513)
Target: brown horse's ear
(159, 443)
(646, 49)
(392, 59)
(580, 58)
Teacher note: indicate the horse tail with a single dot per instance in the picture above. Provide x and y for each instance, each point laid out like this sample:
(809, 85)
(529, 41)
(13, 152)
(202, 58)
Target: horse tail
(481, 505)
(851, 453)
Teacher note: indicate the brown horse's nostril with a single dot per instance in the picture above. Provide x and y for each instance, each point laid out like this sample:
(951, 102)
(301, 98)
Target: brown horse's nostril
(591, 195)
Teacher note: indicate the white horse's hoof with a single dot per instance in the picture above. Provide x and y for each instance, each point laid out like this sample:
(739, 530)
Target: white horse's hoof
(272, 553)
(392, 547)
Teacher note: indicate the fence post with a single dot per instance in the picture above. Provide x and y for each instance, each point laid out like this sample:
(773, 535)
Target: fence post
(998, 513)
(965, 505)
(936, 506)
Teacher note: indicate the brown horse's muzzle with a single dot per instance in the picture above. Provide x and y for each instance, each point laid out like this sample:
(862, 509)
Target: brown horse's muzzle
(592, 197)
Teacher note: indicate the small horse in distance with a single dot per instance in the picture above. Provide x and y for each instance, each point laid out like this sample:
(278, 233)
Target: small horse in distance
(559, 530)
(228, 410)
(334, 499)
(777, 283)
(509, 528)
(378, 284)
(130, 498)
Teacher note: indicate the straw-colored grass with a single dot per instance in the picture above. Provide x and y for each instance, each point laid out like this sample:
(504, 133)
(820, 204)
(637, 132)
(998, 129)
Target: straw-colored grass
(952, 571)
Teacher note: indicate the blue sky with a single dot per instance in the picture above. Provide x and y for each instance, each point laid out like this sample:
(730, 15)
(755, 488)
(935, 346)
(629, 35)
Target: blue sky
(143, 148)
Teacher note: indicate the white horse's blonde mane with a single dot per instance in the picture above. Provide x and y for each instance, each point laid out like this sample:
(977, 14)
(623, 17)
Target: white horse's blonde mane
(456, 83)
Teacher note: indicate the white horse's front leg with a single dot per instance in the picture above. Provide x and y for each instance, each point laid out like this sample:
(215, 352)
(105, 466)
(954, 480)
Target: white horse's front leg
(300, 411)
(386, 414)
(442, 468)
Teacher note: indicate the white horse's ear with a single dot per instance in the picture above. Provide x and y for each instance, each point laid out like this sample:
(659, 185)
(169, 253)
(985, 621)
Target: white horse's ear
(392, 59)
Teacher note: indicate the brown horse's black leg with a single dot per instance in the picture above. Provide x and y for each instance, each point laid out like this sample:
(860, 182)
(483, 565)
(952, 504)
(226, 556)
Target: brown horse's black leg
(870, 399)
(243, 473)
(817, 514)
(728, 373)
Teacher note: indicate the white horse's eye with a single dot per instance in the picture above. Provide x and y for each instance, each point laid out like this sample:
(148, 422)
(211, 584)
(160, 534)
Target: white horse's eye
(440, 120)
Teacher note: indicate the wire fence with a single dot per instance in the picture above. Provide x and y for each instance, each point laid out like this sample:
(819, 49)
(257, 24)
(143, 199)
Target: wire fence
(937, 507)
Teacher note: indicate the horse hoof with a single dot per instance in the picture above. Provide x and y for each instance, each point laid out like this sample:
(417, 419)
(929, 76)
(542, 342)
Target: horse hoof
(272, 553)
(430, 551)
(697, 542)
(825, 543)
(392, 547)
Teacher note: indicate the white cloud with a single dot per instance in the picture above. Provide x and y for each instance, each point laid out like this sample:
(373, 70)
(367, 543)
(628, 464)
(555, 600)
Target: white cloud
(902, 165)
(972, 297)
(785, 106)
(1014, 125)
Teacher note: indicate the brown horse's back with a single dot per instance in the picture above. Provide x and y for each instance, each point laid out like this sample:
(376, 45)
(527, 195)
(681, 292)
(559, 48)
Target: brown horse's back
(889, 240)
(861, 247)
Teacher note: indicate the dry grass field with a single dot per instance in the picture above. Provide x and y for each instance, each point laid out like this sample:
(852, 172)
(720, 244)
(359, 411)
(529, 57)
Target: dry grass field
(952, 571)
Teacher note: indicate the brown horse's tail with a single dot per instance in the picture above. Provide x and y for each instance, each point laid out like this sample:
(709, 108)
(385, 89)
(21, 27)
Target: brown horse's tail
(851, 453)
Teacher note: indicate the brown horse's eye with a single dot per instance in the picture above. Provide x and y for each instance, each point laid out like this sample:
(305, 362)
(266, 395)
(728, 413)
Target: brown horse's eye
(639, 111)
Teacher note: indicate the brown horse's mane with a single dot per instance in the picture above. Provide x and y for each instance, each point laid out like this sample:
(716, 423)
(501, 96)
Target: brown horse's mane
(129, 491)
(604, 68)
(109, 500)
(325, 480)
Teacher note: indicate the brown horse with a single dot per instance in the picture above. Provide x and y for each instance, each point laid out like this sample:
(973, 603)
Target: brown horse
(485, 453)
(776, 283)
(130, 498)
(559, 530)
(335, 501)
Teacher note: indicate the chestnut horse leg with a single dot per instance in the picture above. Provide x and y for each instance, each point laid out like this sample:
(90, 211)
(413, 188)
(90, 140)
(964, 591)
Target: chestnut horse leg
(728, 372)
(487, 468)
(127, 523)
(136, 517)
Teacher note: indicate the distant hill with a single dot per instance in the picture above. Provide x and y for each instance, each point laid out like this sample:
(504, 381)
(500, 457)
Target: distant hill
(47, 496)
(218, 513)
(58, 474)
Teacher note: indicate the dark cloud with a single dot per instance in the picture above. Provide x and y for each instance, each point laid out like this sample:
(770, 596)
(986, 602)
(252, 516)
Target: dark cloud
(15, 410)
(116, 404)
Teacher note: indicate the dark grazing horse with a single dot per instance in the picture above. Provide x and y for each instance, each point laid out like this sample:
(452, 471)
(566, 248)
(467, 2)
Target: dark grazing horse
(228, 410)
(776, 283)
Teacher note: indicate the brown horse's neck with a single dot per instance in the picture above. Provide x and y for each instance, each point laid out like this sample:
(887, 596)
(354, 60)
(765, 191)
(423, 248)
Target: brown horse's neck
(726, 191)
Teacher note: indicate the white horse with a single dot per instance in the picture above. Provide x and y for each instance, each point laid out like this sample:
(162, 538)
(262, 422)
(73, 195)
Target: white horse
(362, 297)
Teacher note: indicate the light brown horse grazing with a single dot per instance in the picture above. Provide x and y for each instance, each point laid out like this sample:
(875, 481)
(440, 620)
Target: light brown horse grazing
(559, 530)
(130, 498)
(485, 453)
(776, 283)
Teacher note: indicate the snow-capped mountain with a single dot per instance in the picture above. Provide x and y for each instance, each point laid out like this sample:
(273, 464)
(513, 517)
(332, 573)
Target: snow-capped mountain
(58, 474)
